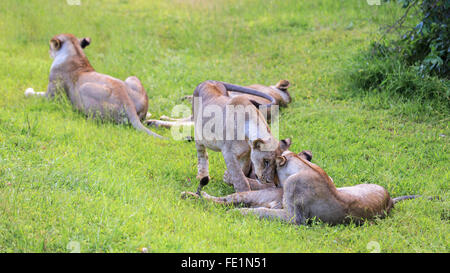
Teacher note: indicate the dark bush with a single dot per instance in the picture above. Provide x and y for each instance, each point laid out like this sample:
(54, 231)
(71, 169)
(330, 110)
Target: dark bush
(415, 65)
(427, 45)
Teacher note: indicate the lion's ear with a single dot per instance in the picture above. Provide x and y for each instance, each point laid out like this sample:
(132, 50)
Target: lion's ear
(306, 154)
(55, 44)
(281, 161)
(258, 143)
(283, 85)
(85, 42)
(285, 144)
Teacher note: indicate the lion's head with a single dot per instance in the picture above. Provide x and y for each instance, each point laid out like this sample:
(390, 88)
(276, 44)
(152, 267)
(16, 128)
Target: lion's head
(263, 156)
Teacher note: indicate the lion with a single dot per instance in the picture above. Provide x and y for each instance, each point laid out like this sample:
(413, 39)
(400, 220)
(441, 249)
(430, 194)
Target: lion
(268, 198)
(245, 147)
(279, 94)
(94, 94)
(309, 193)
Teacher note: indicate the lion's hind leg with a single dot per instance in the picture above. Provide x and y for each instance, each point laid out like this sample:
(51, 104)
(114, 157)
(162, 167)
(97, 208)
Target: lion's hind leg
(95, 101)
(269, 198)
(203, 163)
(234, 174)
(167, 124)
(137, 94)
(267, 213)
(166, 118)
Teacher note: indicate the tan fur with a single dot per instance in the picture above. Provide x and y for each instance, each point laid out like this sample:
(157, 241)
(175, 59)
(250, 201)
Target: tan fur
(279, 92)
(238, 154)
(308, 193)
(92, 93)
(266, 198)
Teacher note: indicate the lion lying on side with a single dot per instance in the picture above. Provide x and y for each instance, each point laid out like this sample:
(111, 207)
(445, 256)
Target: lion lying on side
(309, 193)
(268, 198)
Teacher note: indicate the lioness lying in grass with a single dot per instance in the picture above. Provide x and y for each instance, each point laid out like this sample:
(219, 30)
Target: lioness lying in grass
(93, 93)
(309, 193)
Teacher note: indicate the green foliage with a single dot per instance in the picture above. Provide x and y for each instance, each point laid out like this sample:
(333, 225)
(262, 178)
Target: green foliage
(427, 45)
(413, 68)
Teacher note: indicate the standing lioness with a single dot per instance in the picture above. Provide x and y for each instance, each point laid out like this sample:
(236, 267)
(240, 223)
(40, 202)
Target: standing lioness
(90, 92)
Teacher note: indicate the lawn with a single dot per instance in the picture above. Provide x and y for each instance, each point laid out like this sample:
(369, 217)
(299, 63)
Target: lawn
(67, 181)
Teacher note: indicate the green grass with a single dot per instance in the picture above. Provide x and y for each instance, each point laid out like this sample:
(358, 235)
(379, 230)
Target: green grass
(112, 189)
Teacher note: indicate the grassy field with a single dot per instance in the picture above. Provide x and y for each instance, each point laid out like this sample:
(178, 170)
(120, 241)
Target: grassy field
(65, 180)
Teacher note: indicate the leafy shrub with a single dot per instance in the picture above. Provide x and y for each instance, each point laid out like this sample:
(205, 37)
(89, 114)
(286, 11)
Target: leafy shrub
(427, 45)
(416, 65)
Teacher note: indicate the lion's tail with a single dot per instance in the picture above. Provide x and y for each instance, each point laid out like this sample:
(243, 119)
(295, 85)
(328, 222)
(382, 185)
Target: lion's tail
(246, 90)
(408, 197)
(405, 197)
(136, 122)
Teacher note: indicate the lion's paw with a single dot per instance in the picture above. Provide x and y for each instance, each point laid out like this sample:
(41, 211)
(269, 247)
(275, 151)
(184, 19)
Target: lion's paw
(151, 122)
(29, 92)
(187, 194)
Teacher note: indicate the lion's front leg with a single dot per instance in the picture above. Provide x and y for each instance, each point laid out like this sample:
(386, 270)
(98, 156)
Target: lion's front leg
(187, 194)
(51, 90)
(227, 178)
(246, 166)
(234, 174)
(166, 118)
(245, 162)
(255, 185)
(202, 161)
